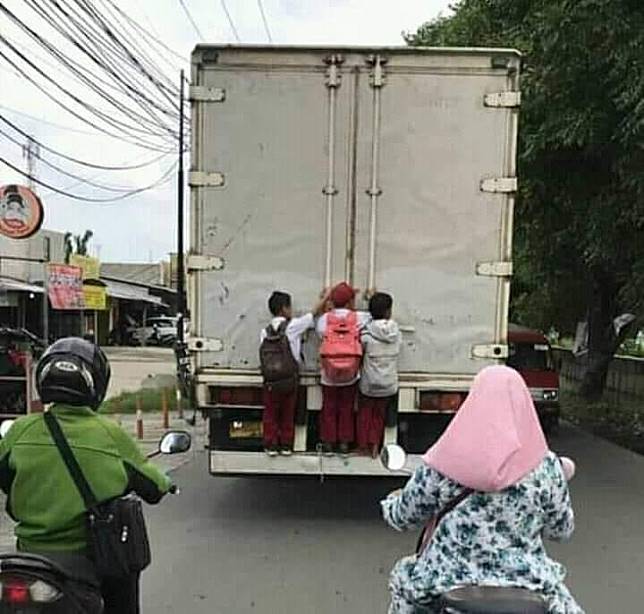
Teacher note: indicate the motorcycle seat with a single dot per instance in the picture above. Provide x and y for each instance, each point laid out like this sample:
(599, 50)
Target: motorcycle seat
(493, 600)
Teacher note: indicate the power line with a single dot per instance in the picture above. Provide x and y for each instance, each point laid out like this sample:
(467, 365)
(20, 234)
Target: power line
(46, 122)
(191, 20)
(260, 4)
(165, 177)
(93, 33)
(78, 161)
(33, 148)
(133, 91)
(231, 23)
(152, 37)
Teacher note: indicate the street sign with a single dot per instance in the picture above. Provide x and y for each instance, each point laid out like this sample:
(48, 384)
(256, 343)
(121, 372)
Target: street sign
(91, 267)
(95, 297)
(65, 287)
(21, 212)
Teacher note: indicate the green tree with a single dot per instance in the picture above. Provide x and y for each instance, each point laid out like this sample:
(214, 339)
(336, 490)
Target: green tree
(77, 244)
(580, 212)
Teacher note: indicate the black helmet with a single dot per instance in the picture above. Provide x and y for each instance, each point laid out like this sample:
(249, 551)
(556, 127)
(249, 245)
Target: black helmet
(73, 371)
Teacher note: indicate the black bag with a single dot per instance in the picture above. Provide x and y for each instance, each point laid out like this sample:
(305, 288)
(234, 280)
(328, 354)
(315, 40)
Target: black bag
(279, 367)
(116, 533)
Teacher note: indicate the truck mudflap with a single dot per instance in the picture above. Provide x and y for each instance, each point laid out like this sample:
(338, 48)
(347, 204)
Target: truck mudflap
(313, 464)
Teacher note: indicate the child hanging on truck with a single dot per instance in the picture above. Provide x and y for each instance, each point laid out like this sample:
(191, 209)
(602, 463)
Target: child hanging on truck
(280, 357)
(381, 341)
(340, 356)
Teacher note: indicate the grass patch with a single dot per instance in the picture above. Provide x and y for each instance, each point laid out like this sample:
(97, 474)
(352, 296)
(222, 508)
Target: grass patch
(621, 422)
(150, 400)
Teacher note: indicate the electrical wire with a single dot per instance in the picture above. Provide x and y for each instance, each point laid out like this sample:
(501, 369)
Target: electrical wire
(231, 23)
(102, 167)
(145, 32)
(164, 178)
(139, 142)
(62, 171)
(260, 4)
(100, 56)
(45, 121)
(138, 31)
(191, 20)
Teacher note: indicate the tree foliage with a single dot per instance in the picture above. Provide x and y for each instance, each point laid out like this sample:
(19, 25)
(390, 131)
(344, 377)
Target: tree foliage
(580, 212)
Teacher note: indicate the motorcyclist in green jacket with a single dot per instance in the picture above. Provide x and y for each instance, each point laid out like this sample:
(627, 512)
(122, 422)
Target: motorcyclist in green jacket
(73, 375)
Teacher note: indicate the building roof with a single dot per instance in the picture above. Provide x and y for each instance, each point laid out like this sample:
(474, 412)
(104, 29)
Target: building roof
(9, 284)
(149, 274)
(130, 292)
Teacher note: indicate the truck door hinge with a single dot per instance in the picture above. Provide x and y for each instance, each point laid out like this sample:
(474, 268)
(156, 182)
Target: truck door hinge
(499, 185)
(494, 351)
(202, 344)
(203, 179)
(503, 100)
(202, 93)
(201, 262)
(377, 78)
(494, 269)
(333, 74)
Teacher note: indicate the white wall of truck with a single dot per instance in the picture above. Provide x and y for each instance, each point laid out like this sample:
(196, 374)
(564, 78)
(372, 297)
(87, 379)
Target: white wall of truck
(392, 168)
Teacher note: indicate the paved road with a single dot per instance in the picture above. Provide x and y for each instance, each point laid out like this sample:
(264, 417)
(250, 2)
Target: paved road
(242, 546)
(132, 366)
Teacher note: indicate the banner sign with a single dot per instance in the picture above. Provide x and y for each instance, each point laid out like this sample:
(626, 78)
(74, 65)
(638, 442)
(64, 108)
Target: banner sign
(95, 297)
(91, 267)
(21, 212)
(65, 287)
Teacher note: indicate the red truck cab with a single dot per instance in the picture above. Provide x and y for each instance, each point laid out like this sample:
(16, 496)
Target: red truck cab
(531, 355)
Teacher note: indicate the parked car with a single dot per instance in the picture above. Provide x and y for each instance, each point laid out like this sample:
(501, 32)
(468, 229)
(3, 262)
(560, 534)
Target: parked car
(530, 354)
(158, 330)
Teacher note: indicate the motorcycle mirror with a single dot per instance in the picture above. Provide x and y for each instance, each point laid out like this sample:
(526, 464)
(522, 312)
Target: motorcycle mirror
(393, 457)
(175, 442)
(4, 427)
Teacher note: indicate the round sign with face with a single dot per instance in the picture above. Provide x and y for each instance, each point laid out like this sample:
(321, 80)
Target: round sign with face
(21, 212)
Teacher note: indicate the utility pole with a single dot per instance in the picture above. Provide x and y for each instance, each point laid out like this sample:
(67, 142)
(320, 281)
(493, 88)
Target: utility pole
(45, 290)
(31, 152)
(181, 300)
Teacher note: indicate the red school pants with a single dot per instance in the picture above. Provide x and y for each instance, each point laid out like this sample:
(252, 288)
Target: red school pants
(279, 417)
(371, 420)
(336, 417)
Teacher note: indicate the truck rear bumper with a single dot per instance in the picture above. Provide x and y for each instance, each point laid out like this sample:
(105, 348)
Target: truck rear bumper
(258, 463)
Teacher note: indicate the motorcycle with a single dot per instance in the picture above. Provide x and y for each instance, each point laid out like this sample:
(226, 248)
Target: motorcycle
(14, 344)
(34, 584)
(470, 599)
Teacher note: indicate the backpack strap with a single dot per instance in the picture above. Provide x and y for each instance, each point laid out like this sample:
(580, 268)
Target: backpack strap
(71, 463)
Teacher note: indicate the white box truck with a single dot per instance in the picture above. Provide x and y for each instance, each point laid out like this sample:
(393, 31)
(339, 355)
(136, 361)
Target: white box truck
(391, 168)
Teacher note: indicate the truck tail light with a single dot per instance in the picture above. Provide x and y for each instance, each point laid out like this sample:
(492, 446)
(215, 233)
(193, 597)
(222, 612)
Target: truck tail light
(243, 396)
(440, 402)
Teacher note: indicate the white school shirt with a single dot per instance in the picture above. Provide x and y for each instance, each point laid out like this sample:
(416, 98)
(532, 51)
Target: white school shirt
(294, 332)
(364, 317)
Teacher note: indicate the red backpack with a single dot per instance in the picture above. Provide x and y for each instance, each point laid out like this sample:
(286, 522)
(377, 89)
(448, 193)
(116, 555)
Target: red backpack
(341, 350)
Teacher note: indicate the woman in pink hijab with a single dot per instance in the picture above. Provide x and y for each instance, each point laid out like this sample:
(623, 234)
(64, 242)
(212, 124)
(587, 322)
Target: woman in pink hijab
(510, 491)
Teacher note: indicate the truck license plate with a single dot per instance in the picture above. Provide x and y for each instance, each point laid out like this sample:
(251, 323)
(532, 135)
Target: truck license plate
(245, 430)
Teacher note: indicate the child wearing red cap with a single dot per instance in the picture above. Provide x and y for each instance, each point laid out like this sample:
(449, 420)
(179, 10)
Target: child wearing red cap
(339, 392)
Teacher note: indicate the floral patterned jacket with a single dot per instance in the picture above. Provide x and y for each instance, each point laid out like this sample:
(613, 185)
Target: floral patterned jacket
(487, 539)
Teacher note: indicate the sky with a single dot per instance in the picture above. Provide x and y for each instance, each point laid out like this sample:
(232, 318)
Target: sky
(142, 228)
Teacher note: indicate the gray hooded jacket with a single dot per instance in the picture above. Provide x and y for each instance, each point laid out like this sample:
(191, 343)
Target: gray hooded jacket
(381, 340)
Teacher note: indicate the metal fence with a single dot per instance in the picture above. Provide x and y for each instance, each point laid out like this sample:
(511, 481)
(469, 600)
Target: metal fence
(625, 374)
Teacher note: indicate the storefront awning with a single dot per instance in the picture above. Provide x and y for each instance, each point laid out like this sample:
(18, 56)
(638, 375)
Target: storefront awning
(130, 292)
(7, 284)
